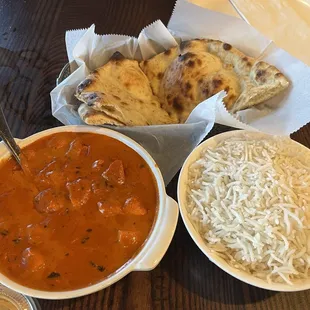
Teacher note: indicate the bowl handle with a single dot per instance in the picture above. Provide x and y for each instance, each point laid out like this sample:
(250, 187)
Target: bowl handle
(165, 233)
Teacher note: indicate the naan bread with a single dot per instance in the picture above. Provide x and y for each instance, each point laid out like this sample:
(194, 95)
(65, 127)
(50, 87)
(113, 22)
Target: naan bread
(121, 91)
(156, 67)
(93, 117)
(203, 68)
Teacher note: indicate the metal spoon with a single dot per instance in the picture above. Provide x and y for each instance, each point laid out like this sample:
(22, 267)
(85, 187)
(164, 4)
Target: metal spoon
(6, 135)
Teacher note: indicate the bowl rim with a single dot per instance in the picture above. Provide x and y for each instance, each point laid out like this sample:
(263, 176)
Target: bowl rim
(146, 246)
(197, 238)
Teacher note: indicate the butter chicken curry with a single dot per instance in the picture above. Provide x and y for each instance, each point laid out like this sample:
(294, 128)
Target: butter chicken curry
(89, 206)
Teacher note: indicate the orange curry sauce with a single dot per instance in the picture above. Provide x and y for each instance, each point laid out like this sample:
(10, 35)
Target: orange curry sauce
(92, 207)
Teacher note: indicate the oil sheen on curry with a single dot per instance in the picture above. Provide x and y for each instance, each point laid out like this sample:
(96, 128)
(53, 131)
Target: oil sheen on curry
(89, 206)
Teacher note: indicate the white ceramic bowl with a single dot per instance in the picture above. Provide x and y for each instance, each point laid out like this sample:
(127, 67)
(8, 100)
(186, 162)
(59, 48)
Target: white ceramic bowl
(155, 246)
(213, 257)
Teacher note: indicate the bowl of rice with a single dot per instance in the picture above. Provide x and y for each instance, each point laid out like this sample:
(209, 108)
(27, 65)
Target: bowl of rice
(245, 200)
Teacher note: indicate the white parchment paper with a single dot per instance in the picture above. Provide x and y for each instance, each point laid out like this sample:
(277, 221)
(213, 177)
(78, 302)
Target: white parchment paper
(170, 144)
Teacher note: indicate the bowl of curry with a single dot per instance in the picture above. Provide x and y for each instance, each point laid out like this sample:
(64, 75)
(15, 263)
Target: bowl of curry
(88, 207)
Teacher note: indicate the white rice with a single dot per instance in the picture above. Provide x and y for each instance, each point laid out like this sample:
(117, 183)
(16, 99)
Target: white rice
(250, 200)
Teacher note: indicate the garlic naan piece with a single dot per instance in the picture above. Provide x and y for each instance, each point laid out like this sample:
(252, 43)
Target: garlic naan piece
(121, 91)
(93, 117)
(155, 67)
(205, 67)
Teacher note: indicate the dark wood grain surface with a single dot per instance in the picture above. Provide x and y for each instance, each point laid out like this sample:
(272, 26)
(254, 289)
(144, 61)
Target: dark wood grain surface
(32, 53)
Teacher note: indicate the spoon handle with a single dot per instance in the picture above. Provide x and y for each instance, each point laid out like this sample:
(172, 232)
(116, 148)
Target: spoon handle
(6, 135)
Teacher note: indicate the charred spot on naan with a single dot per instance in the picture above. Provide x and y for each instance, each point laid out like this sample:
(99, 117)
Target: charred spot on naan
(187, 89)
(217, 83)
(187, 86)
(191, 60)
(90, 98)
(177, 104)
(160, 75)
(260, 76)
(227, 46)
(248, 62)
(83, 85)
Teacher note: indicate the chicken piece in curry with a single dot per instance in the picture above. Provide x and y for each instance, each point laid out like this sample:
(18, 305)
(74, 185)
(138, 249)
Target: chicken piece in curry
(87, 209)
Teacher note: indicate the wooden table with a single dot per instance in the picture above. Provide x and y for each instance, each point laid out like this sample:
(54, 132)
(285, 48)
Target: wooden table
(32, 53)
